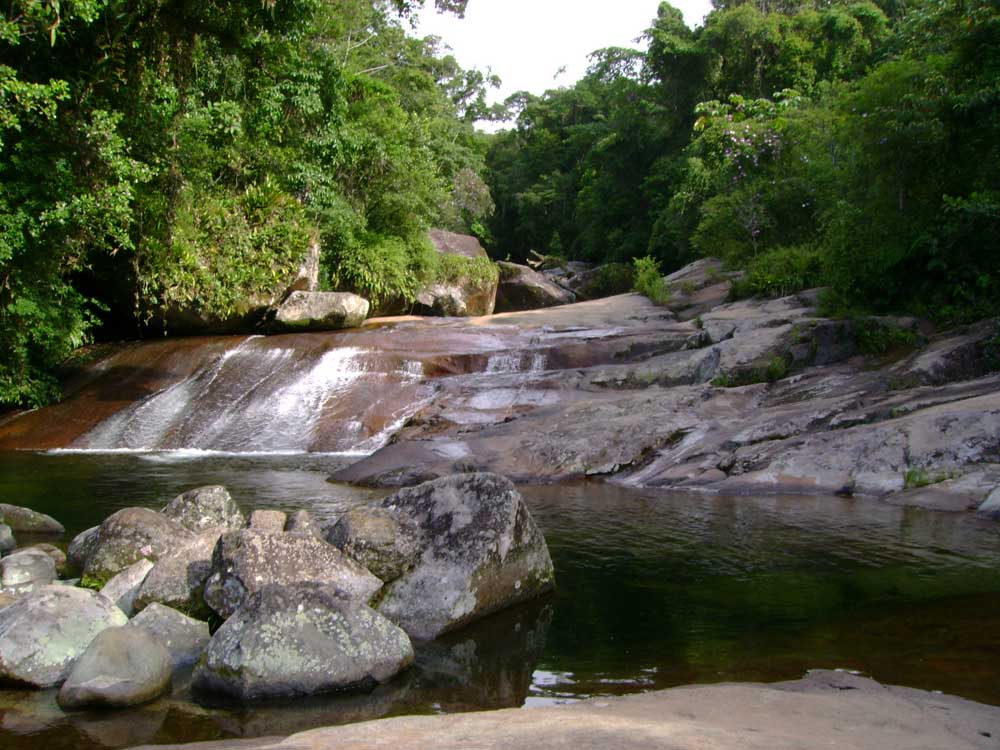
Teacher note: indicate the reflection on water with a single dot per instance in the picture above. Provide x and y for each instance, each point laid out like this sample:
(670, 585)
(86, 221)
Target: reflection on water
(654, 589)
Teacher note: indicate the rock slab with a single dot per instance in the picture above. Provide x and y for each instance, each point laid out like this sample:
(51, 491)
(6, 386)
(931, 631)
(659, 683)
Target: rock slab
(124, 587)
(178, 578)
(522, 288)
(43, 634)
(121, 667)
(299, 640)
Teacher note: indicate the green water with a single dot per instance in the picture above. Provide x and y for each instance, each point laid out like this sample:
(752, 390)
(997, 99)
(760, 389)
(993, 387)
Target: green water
(655, 589)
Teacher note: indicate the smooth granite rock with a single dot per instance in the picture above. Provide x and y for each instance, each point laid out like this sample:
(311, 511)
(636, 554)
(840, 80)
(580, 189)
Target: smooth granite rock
(185, 638)
(178, 578)
(123, 588)
(121, 667)
(26, 519)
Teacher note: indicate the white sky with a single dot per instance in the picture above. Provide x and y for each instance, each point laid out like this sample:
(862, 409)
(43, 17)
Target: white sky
(525, 42)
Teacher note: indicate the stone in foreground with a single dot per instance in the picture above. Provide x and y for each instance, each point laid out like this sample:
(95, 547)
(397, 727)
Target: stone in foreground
(319, 311)
(31, 521)
(205, 508)
(123, 588)
(184, 637)
(302, 639)
(480, 552)
(43, 634)
(26, 570)
(246, 561)
(378, 539)
(128, 536)
(178, 578)
(121, 667)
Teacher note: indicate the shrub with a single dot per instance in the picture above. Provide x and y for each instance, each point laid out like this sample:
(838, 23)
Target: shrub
(780, 272)
(648, 280)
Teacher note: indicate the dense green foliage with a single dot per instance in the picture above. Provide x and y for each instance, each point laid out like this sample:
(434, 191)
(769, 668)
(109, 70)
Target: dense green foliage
(164, 154)
(846, 143)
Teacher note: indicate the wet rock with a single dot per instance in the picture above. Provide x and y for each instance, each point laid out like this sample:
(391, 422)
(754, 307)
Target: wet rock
(128, 536)
(25, 519)
(81, 548)
(272, 521)
(184, 637)
(245, 561)
(302, 639)
(990, 507)
(385, 543)
(7, 540)
(26, 570)
(205, 508)
(178, 579)
(319, 311)
(302, 522)
(122, 666)
(123, 588)
(57, 555)
(480, 552)
(522, 288)
(43, 634)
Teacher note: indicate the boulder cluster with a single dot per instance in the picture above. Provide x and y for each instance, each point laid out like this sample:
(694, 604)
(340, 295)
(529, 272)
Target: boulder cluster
(296, 607)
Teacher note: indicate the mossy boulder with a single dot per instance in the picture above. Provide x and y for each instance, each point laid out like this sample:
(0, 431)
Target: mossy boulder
(28, 520)
(43, 634)
(128, 536)
(480, 551)
(205, 508)
(245, 561)
(301, 639)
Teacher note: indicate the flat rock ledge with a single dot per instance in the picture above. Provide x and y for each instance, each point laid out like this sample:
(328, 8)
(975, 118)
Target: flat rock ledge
(824, 709)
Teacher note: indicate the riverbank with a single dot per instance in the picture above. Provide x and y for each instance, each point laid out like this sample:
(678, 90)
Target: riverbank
(824, 709)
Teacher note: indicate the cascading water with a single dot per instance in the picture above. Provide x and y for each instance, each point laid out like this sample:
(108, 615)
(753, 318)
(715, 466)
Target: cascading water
(259, 397)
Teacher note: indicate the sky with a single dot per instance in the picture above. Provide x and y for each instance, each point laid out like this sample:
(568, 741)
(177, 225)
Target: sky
(526, 42)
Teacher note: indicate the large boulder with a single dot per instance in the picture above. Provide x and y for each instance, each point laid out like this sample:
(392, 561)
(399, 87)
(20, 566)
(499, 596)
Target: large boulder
(205, 508)
(128, 536)
(184, 637)
(26, 570)
(480, 552)
(522, 288)
(380, 540)
(458, 296)
(268, 520)
(319, 311)
(178, 578)
(57, 555)
(121, 667)
(302, 639)
(31, 521)
(246, 561)
(43, 634)
(123, 588)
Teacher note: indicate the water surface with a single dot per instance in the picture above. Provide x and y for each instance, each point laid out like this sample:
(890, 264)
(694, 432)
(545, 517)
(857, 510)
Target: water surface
(654, 589)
